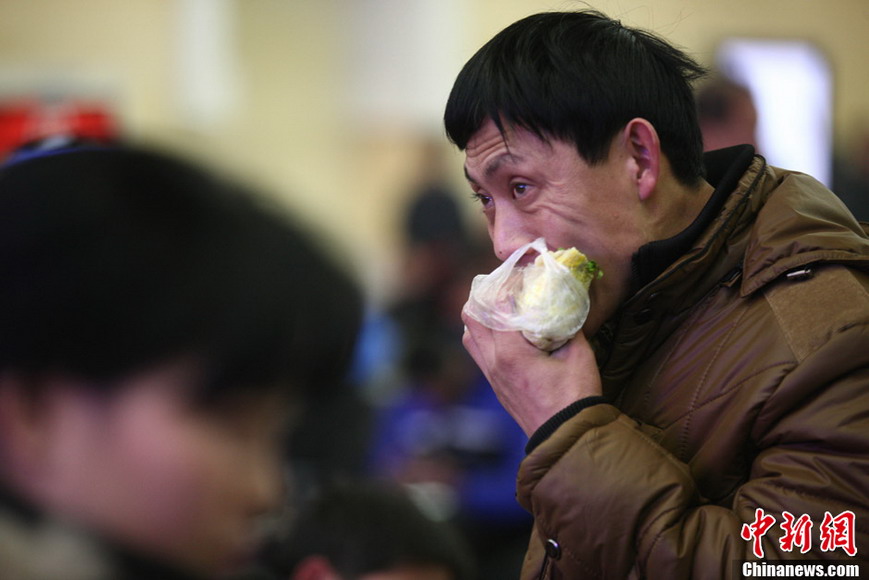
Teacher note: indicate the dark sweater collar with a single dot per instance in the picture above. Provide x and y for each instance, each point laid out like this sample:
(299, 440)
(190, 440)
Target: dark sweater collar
(724, 167)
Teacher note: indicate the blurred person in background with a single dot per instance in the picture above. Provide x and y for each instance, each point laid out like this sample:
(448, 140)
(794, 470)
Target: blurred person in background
(363, 530)
(438, 248)
(721, 380)
(728, 117)
(441, 431)
(158, 329)
(446, 438)
(851, 174)
(727, 114)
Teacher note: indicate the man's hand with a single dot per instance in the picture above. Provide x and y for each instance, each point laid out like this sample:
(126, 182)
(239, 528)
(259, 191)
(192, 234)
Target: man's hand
(531, 384)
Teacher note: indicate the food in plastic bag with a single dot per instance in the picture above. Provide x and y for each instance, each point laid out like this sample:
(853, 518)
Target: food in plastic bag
(546, 300)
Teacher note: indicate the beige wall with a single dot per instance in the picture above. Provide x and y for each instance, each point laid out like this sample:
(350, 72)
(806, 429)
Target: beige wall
(295, 128)
(840, 28)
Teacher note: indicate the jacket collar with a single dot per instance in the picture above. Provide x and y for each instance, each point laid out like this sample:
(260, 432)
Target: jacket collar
(759, 224)
(723, 170)
(684, 268)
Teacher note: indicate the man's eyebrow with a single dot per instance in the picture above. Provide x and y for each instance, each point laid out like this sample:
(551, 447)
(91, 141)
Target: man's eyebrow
(493, 165)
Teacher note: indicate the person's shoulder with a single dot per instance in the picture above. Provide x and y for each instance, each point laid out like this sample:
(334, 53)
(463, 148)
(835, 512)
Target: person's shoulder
(817, 303)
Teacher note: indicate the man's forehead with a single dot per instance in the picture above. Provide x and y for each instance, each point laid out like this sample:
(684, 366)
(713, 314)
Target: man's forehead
(488, 137)
(490, 148)
(489, 166)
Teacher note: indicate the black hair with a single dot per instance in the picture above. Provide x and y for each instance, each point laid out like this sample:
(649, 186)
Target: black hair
(117, 259)
(362, 527)
(581, 77)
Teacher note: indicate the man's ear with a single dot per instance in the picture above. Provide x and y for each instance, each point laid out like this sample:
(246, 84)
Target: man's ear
(644, 149)
(315, 567)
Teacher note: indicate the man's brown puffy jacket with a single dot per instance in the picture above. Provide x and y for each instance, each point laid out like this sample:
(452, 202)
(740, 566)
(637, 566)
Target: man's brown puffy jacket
(739, 379)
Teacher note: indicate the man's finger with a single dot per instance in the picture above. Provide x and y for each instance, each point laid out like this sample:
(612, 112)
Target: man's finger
(475, 335)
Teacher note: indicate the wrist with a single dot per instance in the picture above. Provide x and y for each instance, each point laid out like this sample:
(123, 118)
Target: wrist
(549, 427)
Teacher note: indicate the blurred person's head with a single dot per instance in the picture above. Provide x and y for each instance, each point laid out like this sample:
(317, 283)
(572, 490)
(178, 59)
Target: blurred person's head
(157, 325)
(369, 531)
(726, 113)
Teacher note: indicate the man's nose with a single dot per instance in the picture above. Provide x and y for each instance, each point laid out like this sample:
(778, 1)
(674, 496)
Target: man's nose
(508, 232)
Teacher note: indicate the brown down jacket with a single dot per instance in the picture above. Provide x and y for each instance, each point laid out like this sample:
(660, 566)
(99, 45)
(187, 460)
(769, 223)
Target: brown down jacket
(739, 379)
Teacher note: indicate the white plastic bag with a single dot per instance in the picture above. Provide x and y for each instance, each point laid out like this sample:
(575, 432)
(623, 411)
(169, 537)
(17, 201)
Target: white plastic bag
(545, 302)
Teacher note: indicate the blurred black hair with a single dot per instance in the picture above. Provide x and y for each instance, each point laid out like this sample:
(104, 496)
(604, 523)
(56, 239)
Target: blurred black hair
(581, 77)
(717, 98)
(115, 259)
(364, 527)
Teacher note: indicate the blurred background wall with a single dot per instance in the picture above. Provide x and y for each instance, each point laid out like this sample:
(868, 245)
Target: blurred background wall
(330, 105)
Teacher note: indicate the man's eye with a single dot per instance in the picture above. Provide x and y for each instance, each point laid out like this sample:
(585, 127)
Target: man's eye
(520, 189)
(484, 200)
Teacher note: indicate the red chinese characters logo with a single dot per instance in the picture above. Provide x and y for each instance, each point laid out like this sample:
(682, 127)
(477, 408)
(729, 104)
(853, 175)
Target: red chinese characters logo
(838, 532)
(756, 530)
(798, 533)
(834, 532)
